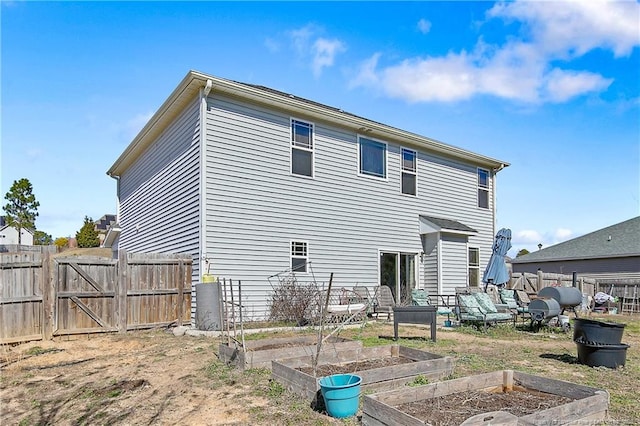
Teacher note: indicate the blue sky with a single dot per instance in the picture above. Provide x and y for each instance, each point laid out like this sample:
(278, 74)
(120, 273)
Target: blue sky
(552, 88)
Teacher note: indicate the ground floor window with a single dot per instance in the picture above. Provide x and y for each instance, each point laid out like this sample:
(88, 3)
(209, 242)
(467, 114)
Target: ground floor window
(474, 267)
(299, 256)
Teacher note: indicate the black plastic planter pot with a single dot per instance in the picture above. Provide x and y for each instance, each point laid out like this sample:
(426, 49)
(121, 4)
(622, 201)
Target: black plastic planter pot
(595, 355)
(592, 331)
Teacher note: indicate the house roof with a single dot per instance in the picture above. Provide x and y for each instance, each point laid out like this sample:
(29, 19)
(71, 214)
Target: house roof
(194, 81)
(619, 240)
(430, 224)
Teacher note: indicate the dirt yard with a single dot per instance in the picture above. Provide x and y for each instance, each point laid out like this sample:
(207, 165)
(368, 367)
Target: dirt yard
(156, 378)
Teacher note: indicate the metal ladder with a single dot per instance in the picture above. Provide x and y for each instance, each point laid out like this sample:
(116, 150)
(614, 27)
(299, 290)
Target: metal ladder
(629, 305)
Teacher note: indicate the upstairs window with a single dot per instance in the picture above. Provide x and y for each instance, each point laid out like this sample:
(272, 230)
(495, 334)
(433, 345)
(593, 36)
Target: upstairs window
(474, 267)
(483, 188)
(409, 171)
(301, 148)
(372, 158)
(299, 256)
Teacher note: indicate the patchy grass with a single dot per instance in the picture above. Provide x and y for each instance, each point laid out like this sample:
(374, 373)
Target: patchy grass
(157, 378)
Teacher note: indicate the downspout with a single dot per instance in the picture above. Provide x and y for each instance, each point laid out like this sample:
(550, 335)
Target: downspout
(204, 93)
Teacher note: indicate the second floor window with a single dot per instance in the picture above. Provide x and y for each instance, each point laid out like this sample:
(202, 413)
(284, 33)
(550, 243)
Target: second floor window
(372, 158)
(301, 148)
(409, 171)
(483, 188)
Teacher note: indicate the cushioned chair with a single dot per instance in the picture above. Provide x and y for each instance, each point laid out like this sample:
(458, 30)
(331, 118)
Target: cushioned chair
(419, 297)
(478, 309)
(508, 297)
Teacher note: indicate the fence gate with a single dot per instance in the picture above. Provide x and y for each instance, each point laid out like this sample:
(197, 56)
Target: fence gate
(84, 295)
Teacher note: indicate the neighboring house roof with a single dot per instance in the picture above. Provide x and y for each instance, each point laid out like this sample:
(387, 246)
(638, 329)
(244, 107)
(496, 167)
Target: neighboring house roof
(436, 224)
(194, 81)
(620, 240)
(105, 222)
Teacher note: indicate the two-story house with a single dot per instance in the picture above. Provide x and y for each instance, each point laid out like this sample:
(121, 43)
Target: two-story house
(252, 181)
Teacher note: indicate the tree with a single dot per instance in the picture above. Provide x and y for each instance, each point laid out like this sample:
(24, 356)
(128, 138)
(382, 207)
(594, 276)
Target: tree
(41, 238)
(522, 252)
(22, 207)
(61, 242)
(87, 236)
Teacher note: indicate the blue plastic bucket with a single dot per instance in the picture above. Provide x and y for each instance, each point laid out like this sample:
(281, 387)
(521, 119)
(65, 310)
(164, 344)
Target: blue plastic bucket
(341, 393)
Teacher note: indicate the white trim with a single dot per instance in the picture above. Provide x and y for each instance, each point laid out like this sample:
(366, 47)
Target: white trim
(439, 263)
(291, 256)
(312, 150)
(487, 188)
(384, 178)
(470, 247)
(402, 171)
(202, 188)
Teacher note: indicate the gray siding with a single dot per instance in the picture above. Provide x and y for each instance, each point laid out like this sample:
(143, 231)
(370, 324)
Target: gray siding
(158, 194)
(454, 263)
(255, 207)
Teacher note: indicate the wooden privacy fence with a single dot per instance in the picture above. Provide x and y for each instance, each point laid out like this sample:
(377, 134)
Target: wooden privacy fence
(42, 296)
(533, 283)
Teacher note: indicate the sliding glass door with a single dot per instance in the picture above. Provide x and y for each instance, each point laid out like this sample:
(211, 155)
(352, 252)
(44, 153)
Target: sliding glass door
(398, 272)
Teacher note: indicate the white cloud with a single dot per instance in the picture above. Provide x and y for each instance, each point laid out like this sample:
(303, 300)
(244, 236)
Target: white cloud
(324, 53)
(34, 153)
(272, 45)
(132, 127)
(527, 236)
(424, 26)
(319, 51)
(564, 85)
(572, 28)
(520, 69)
(562, 234)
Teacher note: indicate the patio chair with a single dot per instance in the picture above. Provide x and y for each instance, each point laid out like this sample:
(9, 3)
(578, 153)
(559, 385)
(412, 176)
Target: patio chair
(384, 302)
(508, 297)
(478, 309)
(419, 297)
(343, 306)
(363, 293)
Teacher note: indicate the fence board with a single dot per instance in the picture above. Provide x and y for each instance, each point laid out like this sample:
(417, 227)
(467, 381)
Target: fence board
(43, 296)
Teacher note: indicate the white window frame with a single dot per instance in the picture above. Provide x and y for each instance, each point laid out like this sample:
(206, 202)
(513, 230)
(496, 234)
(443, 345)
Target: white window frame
(407, 171)
(476, 267)
(386, 159)
(293, 145)
(485, 188)
(293, 254)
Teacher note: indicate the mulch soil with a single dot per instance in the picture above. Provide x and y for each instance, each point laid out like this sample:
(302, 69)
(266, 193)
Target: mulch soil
(354, 367)
(454, 409)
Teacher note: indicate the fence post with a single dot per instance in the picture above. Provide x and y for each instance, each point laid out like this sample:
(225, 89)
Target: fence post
(180, 284)
(540, 280)
(123, 286)
(47, 296)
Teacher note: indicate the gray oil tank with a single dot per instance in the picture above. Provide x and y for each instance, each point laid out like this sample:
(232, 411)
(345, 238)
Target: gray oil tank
(565, 296)
(541, 309)
(208, 307)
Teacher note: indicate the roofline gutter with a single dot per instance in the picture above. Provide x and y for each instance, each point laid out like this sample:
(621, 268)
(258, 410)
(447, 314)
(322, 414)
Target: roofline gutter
(615, 256)
(195, 80)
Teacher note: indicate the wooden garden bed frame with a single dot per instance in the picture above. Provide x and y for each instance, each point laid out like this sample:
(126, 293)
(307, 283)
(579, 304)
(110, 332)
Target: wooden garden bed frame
(282, 348)
(431, 366)
(590, 404)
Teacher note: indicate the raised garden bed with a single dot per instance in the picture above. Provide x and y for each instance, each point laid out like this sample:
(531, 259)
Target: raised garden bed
(260, 353)
(380, 367)
(527, 398)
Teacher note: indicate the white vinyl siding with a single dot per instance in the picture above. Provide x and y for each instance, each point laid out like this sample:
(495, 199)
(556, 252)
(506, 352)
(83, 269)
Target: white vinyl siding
(255, 207)
(158, 193)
